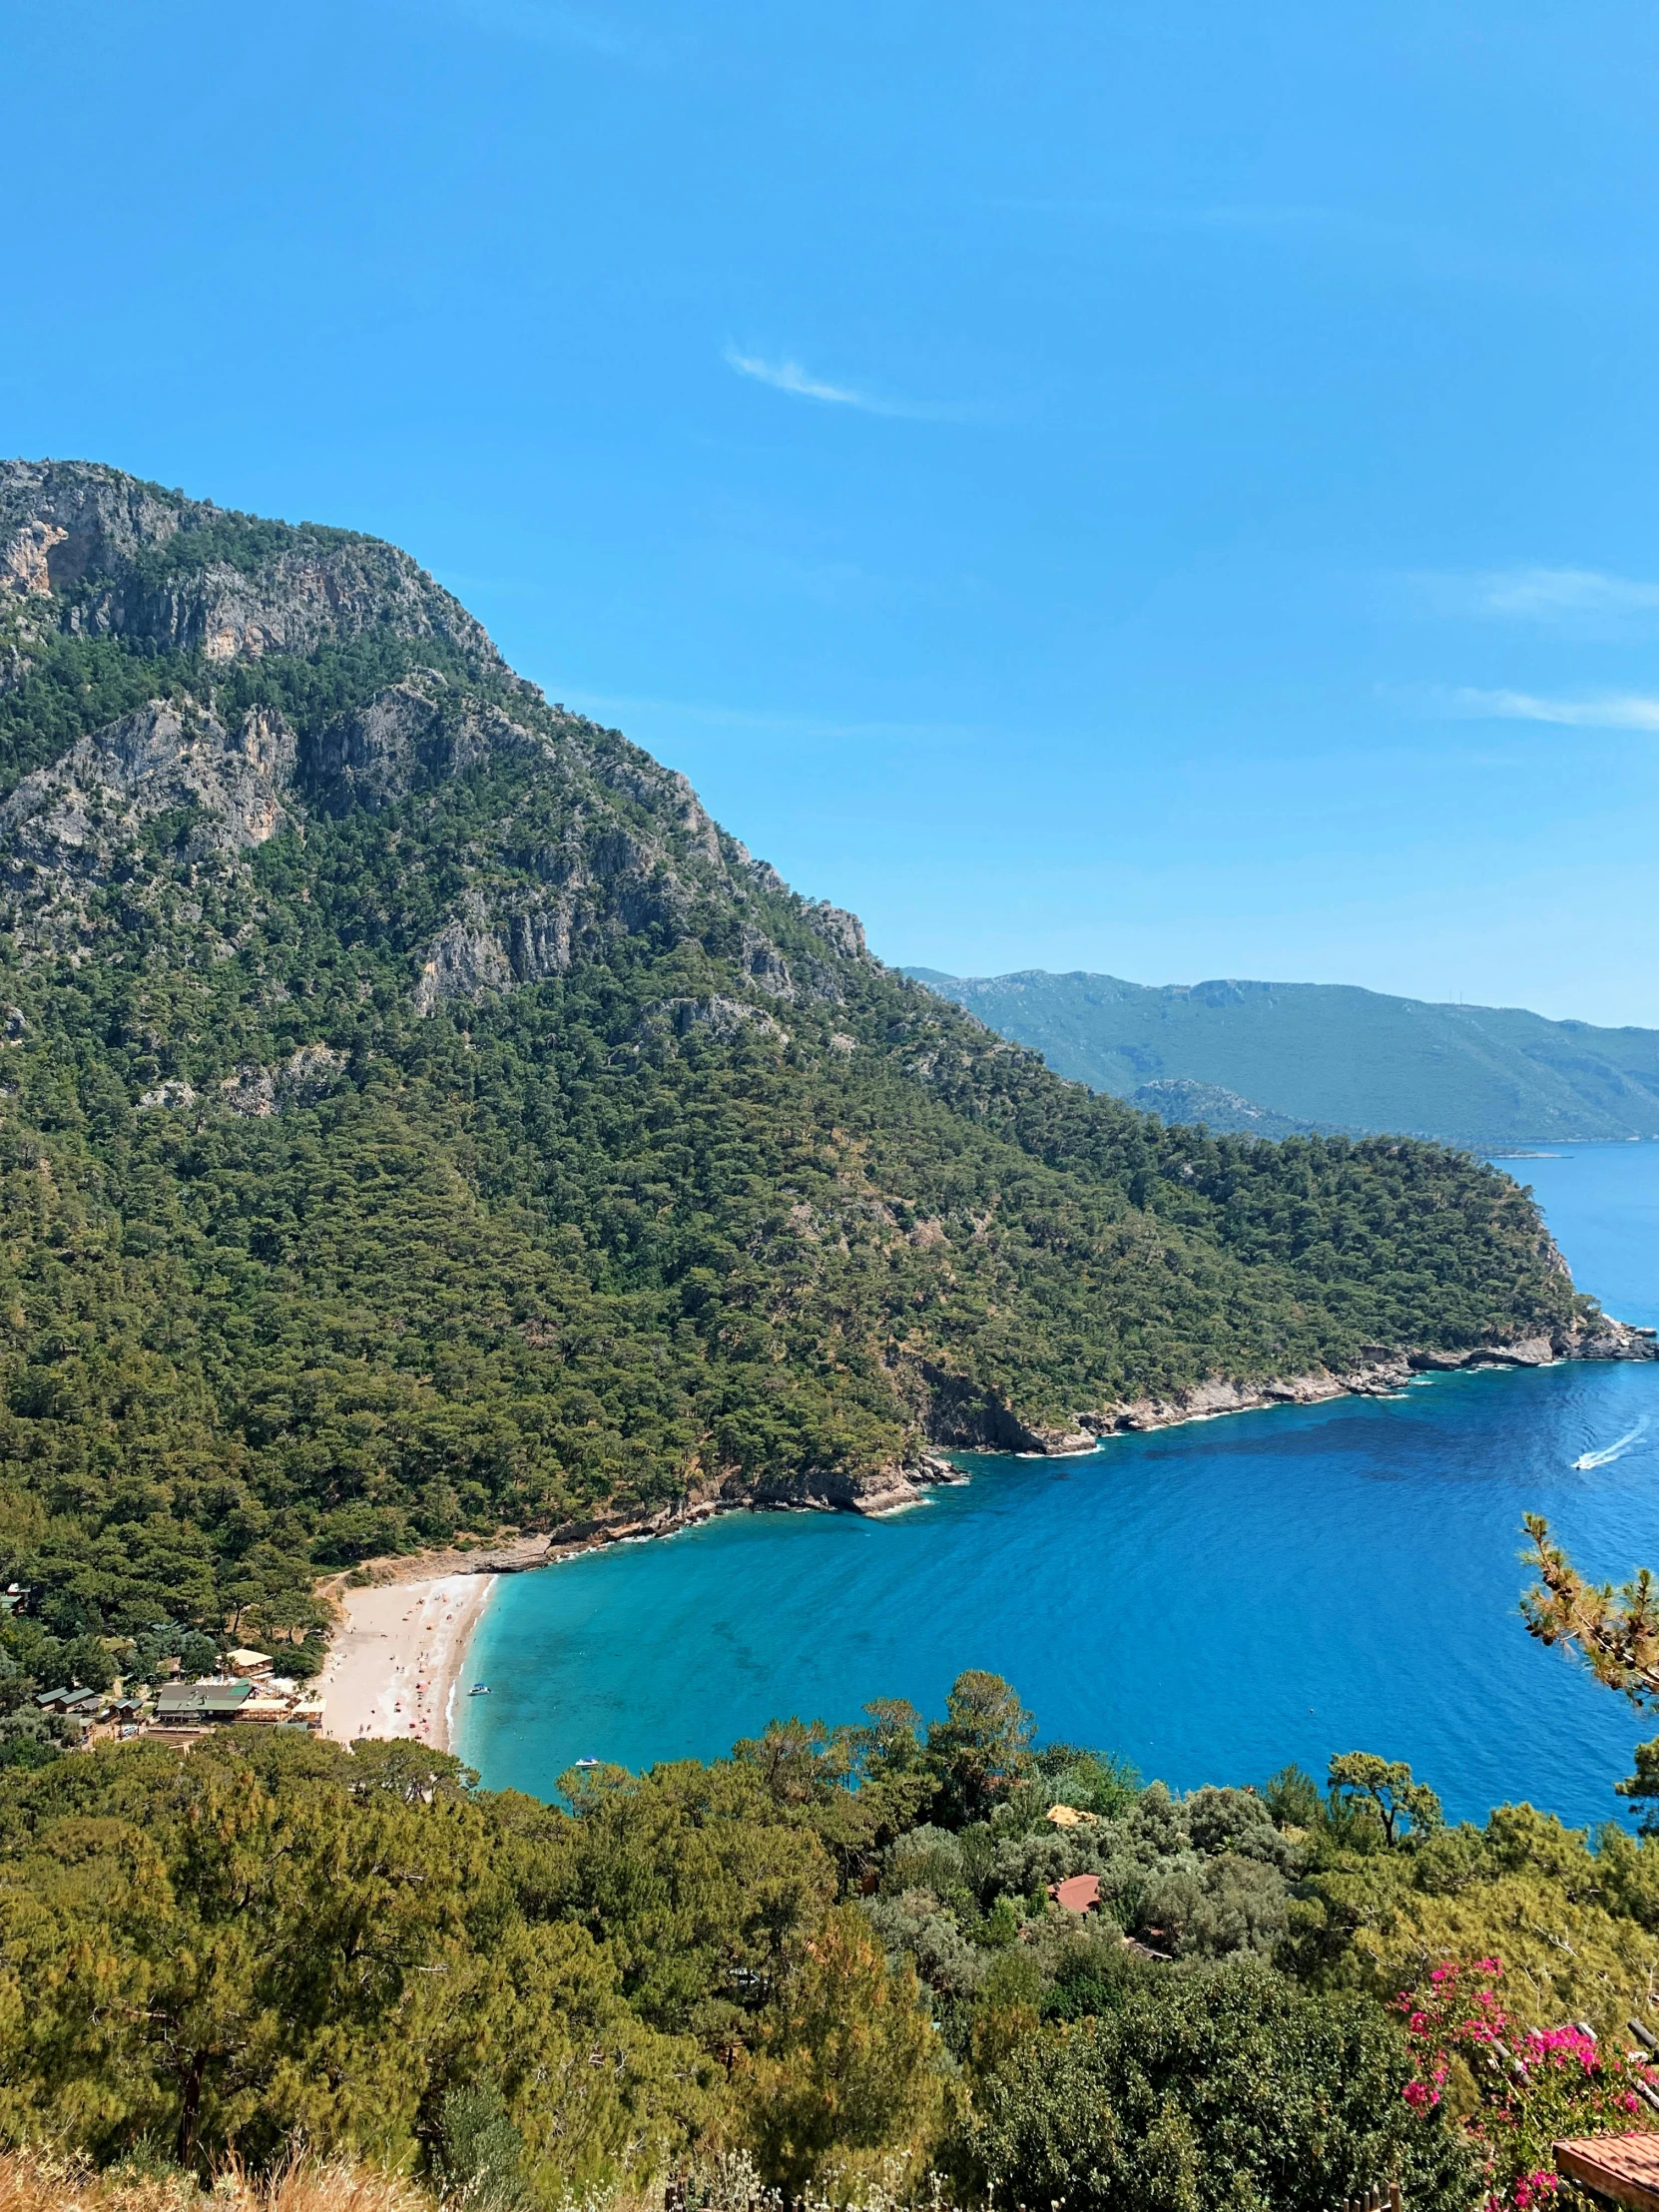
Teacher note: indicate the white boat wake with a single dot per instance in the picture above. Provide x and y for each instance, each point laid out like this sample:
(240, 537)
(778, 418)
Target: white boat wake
(1615, 1450)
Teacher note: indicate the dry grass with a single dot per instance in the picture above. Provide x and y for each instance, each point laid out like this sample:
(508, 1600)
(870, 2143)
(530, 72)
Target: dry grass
(49, 2181)
(41, 2181)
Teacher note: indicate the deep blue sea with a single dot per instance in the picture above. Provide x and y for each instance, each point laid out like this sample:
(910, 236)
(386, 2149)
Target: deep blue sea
(1210, 1602)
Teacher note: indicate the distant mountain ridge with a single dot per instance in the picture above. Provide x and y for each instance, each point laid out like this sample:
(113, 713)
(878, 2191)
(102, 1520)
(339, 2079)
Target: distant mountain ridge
(1298, 1057)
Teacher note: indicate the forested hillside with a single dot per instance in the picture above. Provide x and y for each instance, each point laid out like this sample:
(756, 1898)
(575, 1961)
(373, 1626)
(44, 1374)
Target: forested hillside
(417, 1116)
(1266, 1058)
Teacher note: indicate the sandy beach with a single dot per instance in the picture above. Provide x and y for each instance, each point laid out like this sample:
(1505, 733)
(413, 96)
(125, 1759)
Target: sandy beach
(396, 1657)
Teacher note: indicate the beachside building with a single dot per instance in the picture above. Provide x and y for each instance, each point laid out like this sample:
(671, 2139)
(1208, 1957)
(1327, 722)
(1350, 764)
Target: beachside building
(118, 1716)
(249, 1663)
(268, 1709)
(269, 1702)
(198, 1704)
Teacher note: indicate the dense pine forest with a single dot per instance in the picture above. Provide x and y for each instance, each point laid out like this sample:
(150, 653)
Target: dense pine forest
(417, 1117)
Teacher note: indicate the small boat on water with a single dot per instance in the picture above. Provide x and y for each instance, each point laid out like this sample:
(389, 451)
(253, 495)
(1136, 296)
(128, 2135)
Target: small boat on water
(479, 1689)
(587, 1762)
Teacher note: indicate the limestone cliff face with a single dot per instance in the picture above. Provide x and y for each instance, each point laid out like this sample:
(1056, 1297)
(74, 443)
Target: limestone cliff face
(599, 840)
(126, 559)
(308, 1074)
(61, 520)
(412, 734)
(73, 826)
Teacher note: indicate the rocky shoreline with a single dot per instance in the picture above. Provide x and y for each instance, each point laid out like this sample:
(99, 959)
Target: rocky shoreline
(888, 1491)
(1380, 1373)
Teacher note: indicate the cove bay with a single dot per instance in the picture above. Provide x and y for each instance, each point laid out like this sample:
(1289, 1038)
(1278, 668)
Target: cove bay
(1209, 1601)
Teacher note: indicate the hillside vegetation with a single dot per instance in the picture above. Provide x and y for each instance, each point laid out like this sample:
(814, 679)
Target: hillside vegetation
(828, 1965)
(1268, 1059)
(417, 1116)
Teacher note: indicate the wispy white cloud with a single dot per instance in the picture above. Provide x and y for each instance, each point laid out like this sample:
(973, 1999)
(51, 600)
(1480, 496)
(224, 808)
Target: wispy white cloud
(1566, 596)
(1537, 594)
(789, 376)
(1621, 711)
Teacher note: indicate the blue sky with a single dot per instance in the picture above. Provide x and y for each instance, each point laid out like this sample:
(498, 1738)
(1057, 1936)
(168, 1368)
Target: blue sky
(1167, 489)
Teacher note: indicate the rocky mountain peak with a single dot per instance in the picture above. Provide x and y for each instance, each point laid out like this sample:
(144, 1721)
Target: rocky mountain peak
(121, 558)
(310, 674)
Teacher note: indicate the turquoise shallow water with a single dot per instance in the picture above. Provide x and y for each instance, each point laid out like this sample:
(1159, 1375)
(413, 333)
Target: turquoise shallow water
(1210, 1600)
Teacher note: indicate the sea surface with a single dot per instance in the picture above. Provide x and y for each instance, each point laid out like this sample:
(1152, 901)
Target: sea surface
(1211, 1601)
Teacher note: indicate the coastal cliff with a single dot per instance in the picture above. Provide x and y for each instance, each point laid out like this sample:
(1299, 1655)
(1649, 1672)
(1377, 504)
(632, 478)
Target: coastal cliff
(418, 1117)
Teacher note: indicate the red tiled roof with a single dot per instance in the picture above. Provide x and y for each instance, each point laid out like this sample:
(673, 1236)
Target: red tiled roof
(1623, 2167)
(1081, 1894)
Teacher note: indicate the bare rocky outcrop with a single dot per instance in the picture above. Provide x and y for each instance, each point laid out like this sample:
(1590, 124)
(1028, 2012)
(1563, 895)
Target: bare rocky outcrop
(171, 1096)
(885, 1490)
(963, 1415)
(842, 932)
(60, 520)
(498, 943)
(594, 888)
(26, 559)
(1598, 1336)
(810, 1490)
(305, 1076)
(409, 735)
(764, 964)
(717, 1016)
(664, 791)
(299, 601)
(71, 826)
(464, 960)
(540, 940)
